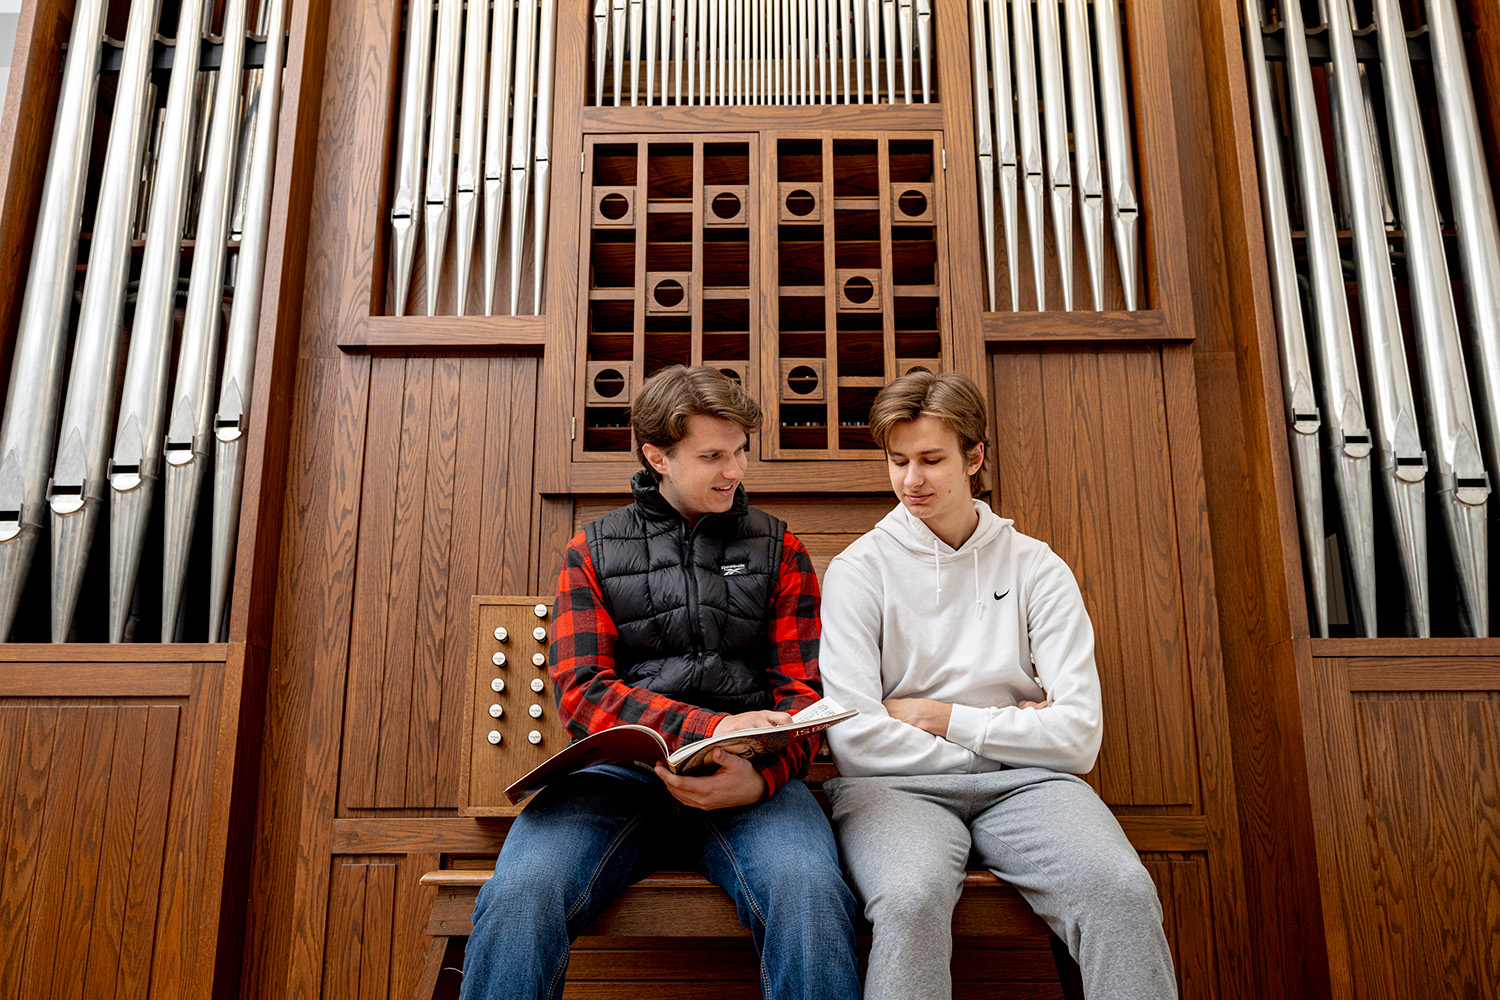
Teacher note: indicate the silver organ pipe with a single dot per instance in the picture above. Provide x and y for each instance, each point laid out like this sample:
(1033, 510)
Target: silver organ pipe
(1473, 210)
(1303, 419)
(1030, 160)
(405, 200)
(469, 169)
(542, 161)
(445, 75)
(1462, 484)
(497, 130)
(984, 143)
(1343, 397)
(26, 431)
(1123, 206)
(1055, 120)
(136, 453)
(78, 485)
(1403, 466)
(1005, 144)
(1086, 145)
(231, 418)
(186, 447)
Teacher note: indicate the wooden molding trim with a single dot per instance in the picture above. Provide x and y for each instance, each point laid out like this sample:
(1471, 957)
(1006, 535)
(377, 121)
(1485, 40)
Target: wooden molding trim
(1061, 327)
(448, 332)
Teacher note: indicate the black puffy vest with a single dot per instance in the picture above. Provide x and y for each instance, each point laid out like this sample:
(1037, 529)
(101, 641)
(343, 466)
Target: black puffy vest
(692, 606)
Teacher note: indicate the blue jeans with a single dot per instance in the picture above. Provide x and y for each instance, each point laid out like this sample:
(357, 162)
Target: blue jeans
(585, 838)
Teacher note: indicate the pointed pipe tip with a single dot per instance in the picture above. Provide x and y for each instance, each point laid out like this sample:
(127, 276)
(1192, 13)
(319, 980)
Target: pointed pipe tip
(180, 489)
(129, 516)
(16, 554)
(72, 540)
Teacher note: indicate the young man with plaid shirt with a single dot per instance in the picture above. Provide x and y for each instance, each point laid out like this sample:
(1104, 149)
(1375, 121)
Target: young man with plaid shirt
(695, 614)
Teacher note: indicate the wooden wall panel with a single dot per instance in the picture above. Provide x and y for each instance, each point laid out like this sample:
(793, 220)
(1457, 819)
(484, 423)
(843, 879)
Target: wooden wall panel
(1082, 461)
(85, 786)
(1410, 767)
(1182, 883)
(445, 512)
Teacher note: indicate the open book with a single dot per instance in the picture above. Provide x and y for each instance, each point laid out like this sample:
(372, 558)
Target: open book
(642, 745)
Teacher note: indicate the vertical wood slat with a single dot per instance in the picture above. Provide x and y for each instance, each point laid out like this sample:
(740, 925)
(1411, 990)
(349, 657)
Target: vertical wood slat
(148, 848)
(44, 924)
(471, 450)
(402, 584)
(433, 599)
(1103, 572)
(33, 771)
(410, 909)
(342, 963)
(125, 764)
(521, 379)
(367, 640)
(80, 893)
(358, 955)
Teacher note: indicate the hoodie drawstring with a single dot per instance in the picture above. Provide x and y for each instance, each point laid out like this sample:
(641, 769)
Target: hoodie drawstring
(978, 597)
(937, 579)
(937, 576)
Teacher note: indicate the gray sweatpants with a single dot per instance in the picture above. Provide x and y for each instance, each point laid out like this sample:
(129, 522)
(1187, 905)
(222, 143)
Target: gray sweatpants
(906, 840)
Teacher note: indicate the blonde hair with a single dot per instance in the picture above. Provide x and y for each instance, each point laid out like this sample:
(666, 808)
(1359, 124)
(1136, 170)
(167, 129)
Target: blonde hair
(660, 413)
(952, 397)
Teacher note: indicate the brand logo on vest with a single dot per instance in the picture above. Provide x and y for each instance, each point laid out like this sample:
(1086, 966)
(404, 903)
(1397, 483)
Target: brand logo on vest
(999, 596)
(733, 569)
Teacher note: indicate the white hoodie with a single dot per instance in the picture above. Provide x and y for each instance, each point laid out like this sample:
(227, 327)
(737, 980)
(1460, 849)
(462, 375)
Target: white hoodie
(906, 616)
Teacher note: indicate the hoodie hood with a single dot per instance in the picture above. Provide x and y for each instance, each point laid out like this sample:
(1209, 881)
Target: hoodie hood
(913, 535)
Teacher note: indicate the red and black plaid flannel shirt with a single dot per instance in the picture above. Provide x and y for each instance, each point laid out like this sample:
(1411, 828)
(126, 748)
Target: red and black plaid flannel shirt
(592, 697)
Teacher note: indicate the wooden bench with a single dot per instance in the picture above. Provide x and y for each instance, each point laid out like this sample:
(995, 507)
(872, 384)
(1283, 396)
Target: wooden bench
(686, 906)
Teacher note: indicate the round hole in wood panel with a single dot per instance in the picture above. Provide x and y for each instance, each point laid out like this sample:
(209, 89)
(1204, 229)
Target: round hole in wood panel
(726, 205)
(802, 380)
(614, 206)
(800, 202)
(731, 374)
(668, 293)
(912, 203)
(609, 383)
(858, 289)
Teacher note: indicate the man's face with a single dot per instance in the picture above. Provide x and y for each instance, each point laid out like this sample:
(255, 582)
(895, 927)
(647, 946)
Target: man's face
(929, 471)
(699, 475)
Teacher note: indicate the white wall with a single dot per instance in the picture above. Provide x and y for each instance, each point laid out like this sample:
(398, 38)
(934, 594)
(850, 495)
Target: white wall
(10, 13)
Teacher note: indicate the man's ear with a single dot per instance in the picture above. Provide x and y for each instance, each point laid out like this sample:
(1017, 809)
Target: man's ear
(975, 459)
(656, 458)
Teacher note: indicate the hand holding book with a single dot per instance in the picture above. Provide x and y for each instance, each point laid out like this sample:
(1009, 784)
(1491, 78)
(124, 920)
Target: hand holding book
(640, 745)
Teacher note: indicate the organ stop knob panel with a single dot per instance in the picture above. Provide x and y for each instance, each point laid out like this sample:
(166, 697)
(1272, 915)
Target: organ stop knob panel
(511, 721)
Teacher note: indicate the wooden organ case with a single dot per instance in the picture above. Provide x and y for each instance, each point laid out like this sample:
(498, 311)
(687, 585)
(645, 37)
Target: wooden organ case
(441, 403)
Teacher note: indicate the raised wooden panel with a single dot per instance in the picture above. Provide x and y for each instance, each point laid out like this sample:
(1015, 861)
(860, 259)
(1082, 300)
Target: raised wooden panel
(1083, 461)
(1410, 766)
(85, 786)
(1182, 883)
(376, 933)
(445, 513)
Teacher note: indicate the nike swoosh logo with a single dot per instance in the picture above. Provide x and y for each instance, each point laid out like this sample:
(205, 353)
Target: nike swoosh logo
(1000, 596)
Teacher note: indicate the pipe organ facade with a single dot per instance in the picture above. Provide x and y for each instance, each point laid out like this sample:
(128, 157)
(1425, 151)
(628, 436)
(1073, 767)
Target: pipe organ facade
(326, 320)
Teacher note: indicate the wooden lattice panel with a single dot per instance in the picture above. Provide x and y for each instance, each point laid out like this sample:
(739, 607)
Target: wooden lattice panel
(672, 266)
(857, 283)
(511, 730)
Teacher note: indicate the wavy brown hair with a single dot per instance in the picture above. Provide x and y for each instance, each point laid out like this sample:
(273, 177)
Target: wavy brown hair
(952, 397)
(660, 413)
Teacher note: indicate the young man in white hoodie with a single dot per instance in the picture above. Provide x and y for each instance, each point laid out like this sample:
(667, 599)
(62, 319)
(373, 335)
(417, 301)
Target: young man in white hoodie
(967, 650)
